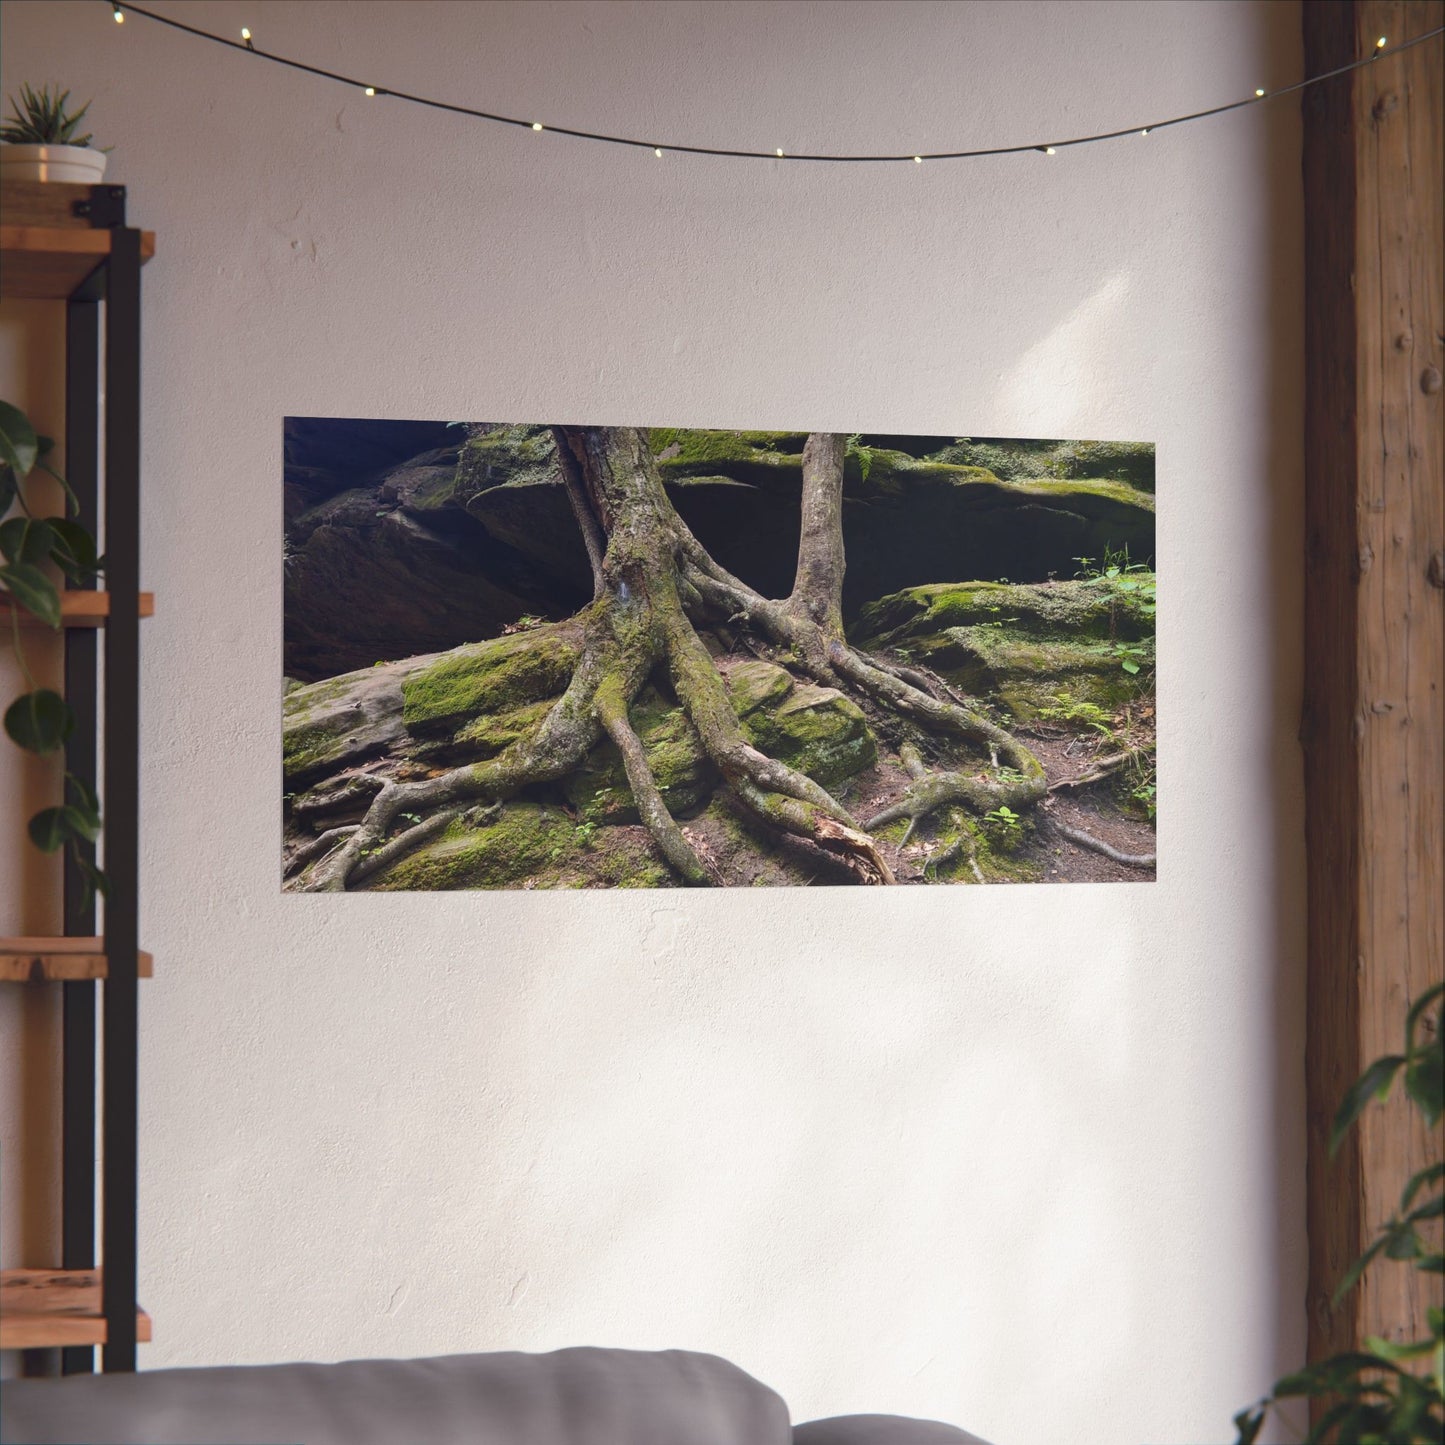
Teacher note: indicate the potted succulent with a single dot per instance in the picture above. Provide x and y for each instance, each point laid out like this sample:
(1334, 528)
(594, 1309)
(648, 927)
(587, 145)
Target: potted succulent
(40, 143)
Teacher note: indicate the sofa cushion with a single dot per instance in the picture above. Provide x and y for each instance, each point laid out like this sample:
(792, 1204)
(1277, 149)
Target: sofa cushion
(571, 1397)
(880, 1430)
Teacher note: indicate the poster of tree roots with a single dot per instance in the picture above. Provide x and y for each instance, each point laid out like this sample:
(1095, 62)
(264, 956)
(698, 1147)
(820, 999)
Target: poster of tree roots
(619, 657)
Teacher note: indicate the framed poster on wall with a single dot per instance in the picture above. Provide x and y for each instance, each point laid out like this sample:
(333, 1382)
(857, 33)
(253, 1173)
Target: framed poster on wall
(544, 656)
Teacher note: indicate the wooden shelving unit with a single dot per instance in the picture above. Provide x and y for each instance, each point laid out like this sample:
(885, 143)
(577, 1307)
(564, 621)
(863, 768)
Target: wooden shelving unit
(78, 609)
(71, 243)
(46, 1308)
(59, 960)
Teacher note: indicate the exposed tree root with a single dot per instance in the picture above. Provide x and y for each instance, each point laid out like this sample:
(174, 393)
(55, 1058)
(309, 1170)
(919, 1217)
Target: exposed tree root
(670, 840)
(1097, 845)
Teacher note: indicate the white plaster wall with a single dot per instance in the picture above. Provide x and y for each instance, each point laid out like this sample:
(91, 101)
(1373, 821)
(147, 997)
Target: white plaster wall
(1027, 1159)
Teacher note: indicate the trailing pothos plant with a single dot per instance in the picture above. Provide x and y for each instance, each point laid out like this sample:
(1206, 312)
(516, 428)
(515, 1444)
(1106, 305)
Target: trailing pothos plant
(1380, 1395)
(40, 720)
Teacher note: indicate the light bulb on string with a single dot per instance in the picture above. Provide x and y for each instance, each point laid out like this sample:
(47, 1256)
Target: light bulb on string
(1380, 43)
(370, 90)
(1259, 93)
(918, 160)
(657, 151)
(537, 125)
(246, 36)
(1145, 131)
(119, 14)
(1050, 151)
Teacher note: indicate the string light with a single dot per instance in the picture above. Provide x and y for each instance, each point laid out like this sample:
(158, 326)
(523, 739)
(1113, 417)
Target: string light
(118, 10)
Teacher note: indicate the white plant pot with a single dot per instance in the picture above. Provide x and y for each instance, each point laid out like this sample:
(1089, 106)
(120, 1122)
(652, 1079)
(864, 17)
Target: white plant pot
(80, 165)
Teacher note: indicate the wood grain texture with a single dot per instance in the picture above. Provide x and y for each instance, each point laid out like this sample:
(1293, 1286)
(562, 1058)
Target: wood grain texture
(49, 1308)
(35, 960)
(1374, 721)
(78, 609)
(40, 263)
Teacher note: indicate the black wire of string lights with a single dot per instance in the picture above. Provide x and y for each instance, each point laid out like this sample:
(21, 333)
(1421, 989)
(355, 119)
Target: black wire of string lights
(246, 44)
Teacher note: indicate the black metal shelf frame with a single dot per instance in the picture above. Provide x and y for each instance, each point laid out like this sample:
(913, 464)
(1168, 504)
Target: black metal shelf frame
(113, 714)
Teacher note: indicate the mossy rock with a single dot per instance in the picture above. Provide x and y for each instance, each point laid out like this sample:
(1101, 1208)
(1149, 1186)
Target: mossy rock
(1018, 645)
(817, 730)
(486, 678)
(523, 840)
(342, 720)
(750, 457)
(756, 684)
(1065, 611)
(488, 734)
(505, 456)
(1131, 462)
(1016, 460)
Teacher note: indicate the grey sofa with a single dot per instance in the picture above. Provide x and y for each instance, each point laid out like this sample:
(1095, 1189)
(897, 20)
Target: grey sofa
(571, 1397)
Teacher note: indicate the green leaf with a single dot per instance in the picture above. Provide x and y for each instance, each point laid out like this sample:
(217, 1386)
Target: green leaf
(1425, 1081)
(1416, 1009)
(1129, 666)
(74, 549)
(33, 590)
(1358, 1268)
(1249, 1423)
(1389, 1350)
(1374, 1083)
(1402, 1243)
(94, 880)
(52, 828)
(19, 446)
(39, 721)
(1427, 1175)
(25, 540)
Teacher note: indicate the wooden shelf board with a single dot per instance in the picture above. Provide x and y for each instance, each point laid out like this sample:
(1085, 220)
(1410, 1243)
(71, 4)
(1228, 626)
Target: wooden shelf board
(36, 960)
(49, 1308)
(49, 262)
(79, 609)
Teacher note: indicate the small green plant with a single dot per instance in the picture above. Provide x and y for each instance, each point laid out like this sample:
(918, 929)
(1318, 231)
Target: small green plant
(1065, 710)
(584, 834)
(1128, 586)
(1004, 826)
(1373, 1398)
(855, 448)
(39, 118)
(40, 720)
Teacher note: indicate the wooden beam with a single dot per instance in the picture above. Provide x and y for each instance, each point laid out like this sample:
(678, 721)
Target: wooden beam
(52, 1308)
(64, 959)
(77, 609)
(1374, 718)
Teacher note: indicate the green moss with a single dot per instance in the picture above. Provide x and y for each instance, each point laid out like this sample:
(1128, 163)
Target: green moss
(489, 677)
(1066, 611)
(490, 733)
(306, 746)
(1131, 462)
(599, 789)
(525, 839)
(1011, 460)
(1107, 490)
(508, 454)
(756, 684)
(816, 730)
(724, 453)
